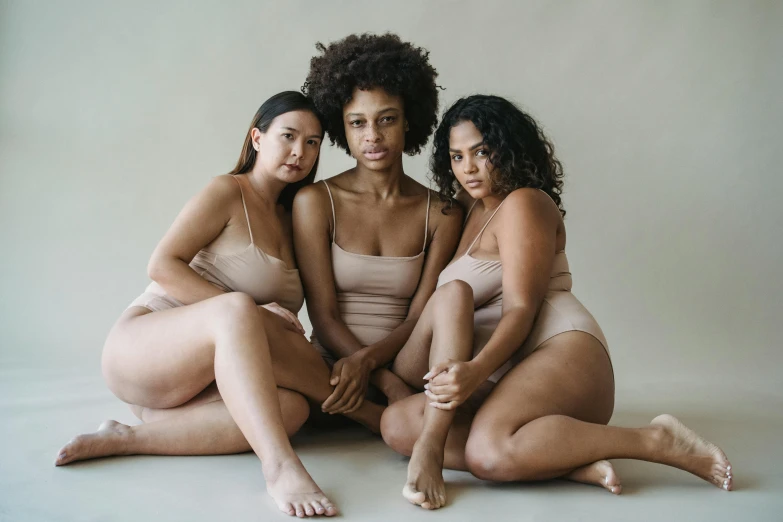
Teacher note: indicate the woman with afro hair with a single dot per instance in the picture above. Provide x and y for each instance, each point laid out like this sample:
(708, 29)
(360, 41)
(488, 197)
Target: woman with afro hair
(371, 241)
(519, 385)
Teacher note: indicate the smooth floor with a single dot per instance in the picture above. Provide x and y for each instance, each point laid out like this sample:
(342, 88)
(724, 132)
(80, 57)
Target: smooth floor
(41, 408)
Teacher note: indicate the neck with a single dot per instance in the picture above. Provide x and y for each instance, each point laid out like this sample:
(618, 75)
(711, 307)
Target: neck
(492, 202)
(383, 183)
(265, 185)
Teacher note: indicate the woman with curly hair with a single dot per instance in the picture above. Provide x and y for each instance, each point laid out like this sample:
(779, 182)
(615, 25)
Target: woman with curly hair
(371, 241)
(519, 385)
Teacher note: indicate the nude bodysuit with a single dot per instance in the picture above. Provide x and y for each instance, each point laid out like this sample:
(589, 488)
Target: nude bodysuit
(265, 278)
(373, 292)
(560, 312)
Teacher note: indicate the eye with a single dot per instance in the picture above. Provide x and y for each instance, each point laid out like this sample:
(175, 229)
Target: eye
(388, 119)
(288, 136)
(456, 157)
(355, 123)
(312, 142)
(481, 153)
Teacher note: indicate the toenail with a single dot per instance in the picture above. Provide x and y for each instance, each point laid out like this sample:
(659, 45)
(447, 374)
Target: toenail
(728, 467)
(726, 487)
(61, 455)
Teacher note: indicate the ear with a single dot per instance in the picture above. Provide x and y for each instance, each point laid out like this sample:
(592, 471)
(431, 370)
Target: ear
(255, 137)
(407, 127)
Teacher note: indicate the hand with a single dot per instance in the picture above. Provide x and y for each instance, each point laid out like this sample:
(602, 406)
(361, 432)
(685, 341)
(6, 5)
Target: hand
(350, 377)
(451, 383)
(290, 320)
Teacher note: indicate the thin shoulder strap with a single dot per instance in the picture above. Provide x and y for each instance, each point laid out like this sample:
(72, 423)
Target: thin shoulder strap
(469, 211)
(484, 227)
(427, 221)
(334, 218)
(247, 217)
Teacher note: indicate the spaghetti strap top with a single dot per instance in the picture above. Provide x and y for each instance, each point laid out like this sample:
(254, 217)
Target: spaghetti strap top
(374, 292)
(265, 278)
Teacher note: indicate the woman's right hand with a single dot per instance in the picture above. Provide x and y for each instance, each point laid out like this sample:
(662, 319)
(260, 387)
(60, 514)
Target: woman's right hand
(290, 320)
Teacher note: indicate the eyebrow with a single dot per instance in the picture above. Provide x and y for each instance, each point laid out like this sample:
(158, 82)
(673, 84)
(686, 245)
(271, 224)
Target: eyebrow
(297, 130)
(477, 145)
(387, 109)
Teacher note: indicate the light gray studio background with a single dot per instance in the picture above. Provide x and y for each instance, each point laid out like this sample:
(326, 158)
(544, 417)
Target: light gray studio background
(666, 116)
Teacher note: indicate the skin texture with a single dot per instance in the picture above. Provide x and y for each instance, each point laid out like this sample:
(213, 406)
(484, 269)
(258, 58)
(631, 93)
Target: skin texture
(378, 205)
(202, 376)
(546, 418)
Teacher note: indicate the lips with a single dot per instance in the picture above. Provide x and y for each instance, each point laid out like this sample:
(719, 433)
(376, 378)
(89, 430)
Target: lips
(473, 183)
(292, 166)
(375, 154)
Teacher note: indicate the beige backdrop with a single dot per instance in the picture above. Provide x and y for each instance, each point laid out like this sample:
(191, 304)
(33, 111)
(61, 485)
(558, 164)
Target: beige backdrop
(666, 116)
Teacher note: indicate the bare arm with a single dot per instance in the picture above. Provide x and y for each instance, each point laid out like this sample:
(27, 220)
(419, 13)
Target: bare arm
(201, 220)
(313, 245)
(445, 238)
(527, 240)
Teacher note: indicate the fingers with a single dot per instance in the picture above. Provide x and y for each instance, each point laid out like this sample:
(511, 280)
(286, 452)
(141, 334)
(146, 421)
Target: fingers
(444, 398)
(339, 390)
(445, 406)
(349, 390)
(442, 389)
(437, 369)
(355, 403)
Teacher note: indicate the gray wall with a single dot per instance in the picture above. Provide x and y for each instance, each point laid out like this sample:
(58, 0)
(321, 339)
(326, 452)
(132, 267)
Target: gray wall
(666, 116)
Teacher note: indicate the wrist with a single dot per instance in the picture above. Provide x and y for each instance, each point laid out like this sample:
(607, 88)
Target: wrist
(366, 358)
(480, 370)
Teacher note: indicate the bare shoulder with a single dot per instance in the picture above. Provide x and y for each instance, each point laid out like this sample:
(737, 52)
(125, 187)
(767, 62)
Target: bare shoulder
(529, 203)
(312, 200)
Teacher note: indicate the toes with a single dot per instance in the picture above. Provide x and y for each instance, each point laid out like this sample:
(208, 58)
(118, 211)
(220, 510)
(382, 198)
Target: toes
(413, 495)
(288, 509)
(309, 511)
(317, 507)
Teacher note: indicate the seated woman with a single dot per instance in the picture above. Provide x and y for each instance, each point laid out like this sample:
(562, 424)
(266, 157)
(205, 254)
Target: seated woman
(212, 356)
(370, 241)
(519, 386)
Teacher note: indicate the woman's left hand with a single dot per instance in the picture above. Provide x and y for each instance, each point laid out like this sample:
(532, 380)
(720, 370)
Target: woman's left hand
(451, 383)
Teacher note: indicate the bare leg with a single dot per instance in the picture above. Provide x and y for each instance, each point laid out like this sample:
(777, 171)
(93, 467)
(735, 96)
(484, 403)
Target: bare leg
(164, 359)
(568, 392)
(392, 386)
(205, 428)
(448, 321)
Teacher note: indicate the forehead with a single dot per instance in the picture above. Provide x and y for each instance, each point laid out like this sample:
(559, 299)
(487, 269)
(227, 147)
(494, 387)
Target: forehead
(303, 121)
(372, 100)
(464, 135)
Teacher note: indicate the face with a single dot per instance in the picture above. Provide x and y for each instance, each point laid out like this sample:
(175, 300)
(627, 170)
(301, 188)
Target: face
(469, 158)
(289, 147)
(375, 128)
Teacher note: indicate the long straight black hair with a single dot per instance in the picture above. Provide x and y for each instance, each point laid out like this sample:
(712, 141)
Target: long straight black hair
(278, 104)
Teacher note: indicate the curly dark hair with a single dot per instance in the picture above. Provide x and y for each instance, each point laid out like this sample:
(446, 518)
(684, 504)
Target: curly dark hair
(366, 61)
(520, 153)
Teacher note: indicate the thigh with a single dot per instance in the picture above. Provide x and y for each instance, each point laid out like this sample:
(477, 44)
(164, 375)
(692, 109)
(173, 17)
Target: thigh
(163, 359)
(570, 374)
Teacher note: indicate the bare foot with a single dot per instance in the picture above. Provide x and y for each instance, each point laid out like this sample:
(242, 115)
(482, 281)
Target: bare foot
(110, 439)
(295, 492)
(425, 486)
(599, 473)
(685, 449)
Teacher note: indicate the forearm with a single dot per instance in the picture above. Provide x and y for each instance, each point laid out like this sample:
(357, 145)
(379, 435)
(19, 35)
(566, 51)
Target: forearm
(335, 336)
(181, 282)
(385, 350)
(508, 337)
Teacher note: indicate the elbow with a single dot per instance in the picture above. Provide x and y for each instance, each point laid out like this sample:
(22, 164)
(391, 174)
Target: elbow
(157, 269)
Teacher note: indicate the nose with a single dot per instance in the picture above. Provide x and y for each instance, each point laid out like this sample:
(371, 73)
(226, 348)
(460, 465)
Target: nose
(468, 165)
(371, 133)
(298, 149)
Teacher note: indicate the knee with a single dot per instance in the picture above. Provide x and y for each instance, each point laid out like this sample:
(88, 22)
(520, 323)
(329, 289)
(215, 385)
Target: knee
(455, 292)
(487, 458)
(397, 428)
(233, 310)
